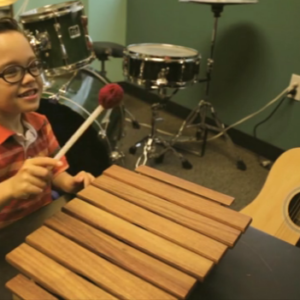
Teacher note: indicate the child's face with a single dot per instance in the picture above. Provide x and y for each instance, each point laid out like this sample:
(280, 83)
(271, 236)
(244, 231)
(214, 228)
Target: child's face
(16, 50)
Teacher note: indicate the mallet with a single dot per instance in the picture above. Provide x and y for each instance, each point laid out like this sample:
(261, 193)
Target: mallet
(109, 96)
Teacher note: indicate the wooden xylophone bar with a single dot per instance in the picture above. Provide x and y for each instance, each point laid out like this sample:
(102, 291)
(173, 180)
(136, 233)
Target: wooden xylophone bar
(185, 185)
(130, 235)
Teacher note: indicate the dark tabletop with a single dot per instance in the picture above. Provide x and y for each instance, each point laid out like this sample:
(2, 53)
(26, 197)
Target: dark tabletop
(259, 267)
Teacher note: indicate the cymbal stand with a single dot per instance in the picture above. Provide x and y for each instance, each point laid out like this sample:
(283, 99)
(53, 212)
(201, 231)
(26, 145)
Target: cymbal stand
(200, 112)
(150, 141)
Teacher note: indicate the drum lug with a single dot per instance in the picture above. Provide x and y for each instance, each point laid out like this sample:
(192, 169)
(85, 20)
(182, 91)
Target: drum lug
(84, 22)
(43, 38)
(125, 66)
(89, 41)
(182, 70)
(62, 46)
(39, 41)
(142, 67)
(162, 80)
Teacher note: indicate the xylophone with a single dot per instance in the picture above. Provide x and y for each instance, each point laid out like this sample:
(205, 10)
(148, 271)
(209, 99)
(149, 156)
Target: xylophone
(140, 234)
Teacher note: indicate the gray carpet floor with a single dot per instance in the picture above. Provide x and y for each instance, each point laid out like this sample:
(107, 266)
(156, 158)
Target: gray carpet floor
(216, 169)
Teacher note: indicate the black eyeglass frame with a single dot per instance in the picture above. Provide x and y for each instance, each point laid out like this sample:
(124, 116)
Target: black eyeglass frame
(23, 70)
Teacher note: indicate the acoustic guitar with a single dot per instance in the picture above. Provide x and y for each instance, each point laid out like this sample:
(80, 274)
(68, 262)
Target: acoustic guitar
(276, 209)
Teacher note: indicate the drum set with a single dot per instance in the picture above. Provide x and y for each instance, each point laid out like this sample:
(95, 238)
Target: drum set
(59, 36)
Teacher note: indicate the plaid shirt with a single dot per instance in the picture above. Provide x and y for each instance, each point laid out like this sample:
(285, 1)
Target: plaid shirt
(12, 157)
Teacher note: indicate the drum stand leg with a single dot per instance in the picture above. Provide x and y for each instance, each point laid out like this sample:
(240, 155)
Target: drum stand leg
(203, 128)
(150, 142)
(201, 110)
(64, 88)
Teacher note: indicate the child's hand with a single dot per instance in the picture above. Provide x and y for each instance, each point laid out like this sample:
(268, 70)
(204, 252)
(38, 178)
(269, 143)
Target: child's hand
(32, 178)
(80, 181)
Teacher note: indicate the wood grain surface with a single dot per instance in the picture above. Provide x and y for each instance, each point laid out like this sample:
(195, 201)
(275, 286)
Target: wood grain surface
(105, 274)
(171, 253)
(175, 195)
(207, 226)
(140, 234)
(154, 223)
(150, 269)
(185, 185)
(25, 288)
(53, 276)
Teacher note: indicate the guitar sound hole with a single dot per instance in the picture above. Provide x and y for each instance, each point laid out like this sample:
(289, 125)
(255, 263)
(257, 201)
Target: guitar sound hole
(294, 209)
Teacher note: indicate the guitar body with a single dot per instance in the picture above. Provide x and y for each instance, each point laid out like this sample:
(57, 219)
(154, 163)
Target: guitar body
(278, 202)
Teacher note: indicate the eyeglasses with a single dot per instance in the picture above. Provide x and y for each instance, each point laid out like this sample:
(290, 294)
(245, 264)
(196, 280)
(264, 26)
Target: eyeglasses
(16, 73)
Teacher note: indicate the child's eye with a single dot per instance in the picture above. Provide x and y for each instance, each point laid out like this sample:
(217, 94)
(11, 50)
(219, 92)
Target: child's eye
(35, 67)
(11, 71)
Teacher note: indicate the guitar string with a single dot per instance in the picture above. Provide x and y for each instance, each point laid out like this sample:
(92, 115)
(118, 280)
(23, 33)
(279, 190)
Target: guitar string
(296, 211)
(283, 228)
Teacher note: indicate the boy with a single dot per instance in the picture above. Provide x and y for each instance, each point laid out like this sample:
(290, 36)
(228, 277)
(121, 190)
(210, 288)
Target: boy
(27, 141)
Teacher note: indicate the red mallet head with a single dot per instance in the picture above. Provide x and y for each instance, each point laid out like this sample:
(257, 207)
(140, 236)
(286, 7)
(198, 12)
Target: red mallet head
(110, 95)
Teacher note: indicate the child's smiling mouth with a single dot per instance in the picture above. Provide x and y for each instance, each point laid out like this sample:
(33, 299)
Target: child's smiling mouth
(28, 93)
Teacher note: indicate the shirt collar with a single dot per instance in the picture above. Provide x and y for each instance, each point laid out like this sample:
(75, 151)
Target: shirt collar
(36, 120)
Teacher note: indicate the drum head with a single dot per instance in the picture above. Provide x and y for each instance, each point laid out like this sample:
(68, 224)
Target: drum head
(163, 50)
(50, 11)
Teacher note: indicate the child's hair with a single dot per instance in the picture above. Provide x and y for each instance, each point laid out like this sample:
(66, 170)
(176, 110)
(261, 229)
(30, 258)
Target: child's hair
(9, 24)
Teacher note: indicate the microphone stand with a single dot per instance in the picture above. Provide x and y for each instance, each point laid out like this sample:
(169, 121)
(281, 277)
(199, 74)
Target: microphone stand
(203, 106)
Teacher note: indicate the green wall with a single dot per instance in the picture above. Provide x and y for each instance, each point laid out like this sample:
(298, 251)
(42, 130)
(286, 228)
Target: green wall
(107, 22)
(258, 49)
(107, 19)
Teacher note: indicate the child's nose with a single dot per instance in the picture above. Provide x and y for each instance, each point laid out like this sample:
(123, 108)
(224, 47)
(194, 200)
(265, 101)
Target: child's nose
(28, 78)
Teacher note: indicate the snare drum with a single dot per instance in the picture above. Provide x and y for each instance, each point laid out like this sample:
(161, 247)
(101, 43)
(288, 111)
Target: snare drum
(161, 65)
(61, 32)
(95, 150)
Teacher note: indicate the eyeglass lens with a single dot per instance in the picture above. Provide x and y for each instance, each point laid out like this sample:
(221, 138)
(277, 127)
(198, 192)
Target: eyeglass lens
(16, 73)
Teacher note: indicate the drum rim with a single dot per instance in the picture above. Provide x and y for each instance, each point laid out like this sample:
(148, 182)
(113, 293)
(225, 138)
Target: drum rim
(47, 12)
(152, 83)
(134, 54)
(71, 67)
